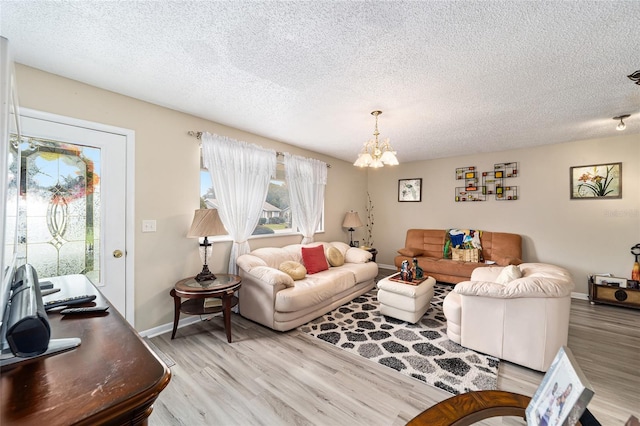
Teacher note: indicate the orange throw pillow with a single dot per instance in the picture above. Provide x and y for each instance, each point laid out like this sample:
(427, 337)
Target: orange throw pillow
(314, 259)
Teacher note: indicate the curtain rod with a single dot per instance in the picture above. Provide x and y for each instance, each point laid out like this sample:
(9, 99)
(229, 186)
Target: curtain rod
(198, 135)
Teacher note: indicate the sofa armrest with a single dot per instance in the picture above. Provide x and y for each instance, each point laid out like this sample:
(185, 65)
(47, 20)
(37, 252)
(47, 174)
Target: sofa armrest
(507, 260)
(357, 255)
(539, 287)
(270, 276)
(249, 261)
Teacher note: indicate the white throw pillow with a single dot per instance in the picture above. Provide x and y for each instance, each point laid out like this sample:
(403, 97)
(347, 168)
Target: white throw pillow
(357, 255)
(508, 274)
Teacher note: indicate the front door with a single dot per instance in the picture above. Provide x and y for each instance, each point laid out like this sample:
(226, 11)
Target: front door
(73, 209)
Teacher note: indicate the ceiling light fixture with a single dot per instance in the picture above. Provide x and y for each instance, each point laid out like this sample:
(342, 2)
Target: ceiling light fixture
(373, 153)
(621, 126)
(635, 77)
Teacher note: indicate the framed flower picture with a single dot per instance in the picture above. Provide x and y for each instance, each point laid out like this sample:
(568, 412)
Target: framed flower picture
(410, 190)
(596, 181)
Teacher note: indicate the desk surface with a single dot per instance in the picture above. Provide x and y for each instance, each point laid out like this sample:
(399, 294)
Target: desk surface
(112, 377)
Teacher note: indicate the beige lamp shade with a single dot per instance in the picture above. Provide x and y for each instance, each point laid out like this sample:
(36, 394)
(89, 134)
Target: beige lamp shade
(206, 223)
(352, 220)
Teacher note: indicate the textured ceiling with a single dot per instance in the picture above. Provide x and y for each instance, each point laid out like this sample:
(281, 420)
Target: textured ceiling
(451, 77)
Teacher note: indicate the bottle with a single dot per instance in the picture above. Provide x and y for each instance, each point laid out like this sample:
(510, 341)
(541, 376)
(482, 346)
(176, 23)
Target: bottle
(635, 271)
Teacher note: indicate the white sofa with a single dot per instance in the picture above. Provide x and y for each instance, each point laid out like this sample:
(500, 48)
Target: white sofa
(524, 321)
(272, 298)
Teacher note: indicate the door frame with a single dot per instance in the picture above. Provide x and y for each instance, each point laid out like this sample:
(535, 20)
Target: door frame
(130, 137)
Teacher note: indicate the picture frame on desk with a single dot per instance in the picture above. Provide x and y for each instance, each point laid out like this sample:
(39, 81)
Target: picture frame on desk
(563, 394)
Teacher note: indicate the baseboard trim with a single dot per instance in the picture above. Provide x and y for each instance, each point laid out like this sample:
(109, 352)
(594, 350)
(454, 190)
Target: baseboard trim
(581, 296)
(165, 328)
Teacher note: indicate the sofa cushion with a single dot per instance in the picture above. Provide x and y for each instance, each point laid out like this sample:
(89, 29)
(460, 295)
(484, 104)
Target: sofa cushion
(508, 274)
(448, 267)
(274, 256)
(314, 259)
(411, 252)
(314, 289)
(295, 270)
(335, 257)
(272, 276)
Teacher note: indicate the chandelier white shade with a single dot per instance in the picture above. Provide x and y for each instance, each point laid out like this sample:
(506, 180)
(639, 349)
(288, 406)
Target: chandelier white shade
(374, 153)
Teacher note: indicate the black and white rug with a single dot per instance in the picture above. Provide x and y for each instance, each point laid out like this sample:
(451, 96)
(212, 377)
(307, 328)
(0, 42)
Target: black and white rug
(422, 350)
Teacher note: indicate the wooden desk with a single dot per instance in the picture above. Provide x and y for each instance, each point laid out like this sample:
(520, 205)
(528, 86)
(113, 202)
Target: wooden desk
(111, 378)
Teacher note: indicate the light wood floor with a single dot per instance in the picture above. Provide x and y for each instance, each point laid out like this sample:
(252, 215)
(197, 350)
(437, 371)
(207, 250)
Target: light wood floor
(273, 378)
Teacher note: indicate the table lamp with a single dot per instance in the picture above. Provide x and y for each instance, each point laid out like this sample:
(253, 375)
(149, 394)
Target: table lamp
(351, 221)
(206, 223)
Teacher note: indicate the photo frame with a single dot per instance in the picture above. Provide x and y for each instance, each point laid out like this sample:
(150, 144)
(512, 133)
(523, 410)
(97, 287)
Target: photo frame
(596, 181)
(563, 394)
(410, 190)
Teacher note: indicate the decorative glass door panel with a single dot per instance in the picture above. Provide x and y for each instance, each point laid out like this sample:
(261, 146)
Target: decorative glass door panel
(60, 184)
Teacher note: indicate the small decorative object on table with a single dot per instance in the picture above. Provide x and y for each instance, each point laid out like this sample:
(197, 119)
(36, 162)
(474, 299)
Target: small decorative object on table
(406, 273)
(419, 272)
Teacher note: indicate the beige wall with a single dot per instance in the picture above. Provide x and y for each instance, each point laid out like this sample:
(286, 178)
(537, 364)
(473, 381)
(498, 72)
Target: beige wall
(584, 236)
(581, 235)
(167, 182)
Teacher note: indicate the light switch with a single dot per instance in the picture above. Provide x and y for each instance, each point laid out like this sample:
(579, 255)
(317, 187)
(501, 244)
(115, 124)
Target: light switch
(148, 226)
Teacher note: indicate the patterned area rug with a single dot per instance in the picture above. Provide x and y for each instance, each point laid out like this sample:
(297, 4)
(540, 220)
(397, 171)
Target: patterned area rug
(420, 350)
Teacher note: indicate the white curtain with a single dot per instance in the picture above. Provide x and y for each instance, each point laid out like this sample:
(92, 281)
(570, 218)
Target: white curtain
(307, 179)
(240, 173)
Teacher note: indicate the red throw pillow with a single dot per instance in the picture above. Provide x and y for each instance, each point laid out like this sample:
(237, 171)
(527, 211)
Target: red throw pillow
(314, 259)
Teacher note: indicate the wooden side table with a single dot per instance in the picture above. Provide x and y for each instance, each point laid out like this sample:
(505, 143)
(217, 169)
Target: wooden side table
(223, 287)
(627, 297)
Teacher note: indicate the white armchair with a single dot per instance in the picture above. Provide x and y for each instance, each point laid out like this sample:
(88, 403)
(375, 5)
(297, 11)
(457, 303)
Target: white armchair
(523, 320)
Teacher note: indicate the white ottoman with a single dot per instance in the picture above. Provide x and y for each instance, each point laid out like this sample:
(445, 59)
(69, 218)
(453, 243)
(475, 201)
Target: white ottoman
(405, 302)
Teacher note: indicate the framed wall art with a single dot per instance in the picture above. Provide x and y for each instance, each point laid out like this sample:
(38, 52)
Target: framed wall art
(410, 190)
(596, 181)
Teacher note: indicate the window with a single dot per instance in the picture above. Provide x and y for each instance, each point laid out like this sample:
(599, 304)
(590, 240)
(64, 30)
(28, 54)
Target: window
(276, 212)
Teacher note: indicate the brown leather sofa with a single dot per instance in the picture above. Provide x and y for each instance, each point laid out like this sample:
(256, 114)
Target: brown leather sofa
(427, 246)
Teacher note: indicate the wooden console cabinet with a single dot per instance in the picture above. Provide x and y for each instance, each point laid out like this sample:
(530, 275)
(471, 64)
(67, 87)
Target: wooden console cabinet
(112, 378)
(627, 297)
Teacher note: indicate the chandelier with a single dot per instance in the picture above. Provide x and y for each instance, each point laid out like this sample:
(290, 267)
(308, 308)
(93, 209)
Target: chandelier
(375, 154)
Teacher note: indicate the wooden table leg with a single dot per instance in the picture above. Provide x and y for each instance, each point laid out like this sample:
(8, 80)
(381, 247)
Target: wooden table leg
(176, 313)
(227, 298)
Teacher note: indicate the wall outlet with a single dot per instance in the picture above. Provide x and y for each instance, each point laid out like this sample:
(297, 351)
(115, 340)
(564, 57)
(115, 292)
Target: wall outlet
(148, 226)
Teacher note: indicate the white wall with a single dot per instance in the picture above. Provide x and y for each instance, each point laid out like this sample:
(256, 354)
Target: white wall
(584, 236)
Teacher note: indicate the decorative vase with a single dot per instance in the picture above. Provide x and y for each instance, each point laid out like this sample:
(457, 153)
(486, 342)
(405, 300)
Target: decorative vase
(418, 271)
(635, 271)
